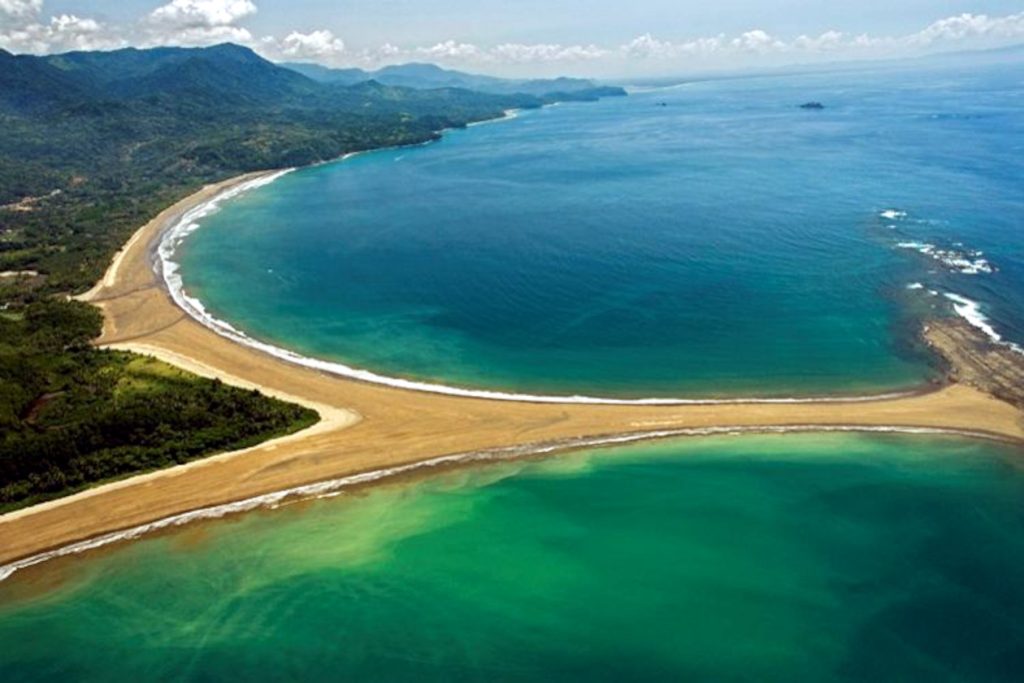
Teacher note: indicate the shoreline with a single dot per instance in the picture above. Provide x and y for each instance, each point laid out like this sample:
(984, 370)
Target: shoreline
(371, 428)
(333, 487)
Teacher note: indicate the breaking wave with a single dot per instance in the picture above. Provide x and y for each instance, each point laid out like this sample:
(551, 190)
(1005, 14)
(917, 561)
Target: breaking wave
(970, 310)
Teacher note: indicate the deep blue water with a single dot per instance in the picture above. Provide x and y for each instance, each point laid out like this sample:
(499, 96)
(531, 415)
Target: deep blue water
(726, 243)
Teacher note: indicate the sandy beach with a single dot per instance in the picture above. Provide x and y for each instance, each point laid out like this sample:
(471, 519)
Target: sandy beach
(366, 427)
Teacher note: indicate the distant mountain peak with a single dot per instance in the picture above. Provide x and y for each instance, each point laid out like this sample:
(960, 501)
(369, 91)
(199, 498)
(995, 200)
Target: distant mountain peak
(232, 50)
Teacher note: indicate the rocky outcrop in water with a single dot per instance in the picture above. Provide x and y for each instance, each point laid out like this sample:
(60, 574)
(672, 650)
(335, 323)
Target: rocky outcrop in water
(975, 360)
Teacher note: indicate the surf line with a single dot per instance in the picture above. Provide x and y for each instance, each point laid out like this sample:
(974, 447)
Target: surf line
(333, 487)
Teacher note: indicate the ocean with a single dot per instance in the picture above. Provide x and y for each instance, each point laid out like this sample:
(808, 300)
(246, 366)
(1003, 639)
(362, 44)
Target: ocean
(708, 240)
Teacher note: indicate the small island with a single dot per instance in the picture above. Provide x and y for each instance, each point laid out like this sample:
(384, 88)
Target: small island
(812, 105)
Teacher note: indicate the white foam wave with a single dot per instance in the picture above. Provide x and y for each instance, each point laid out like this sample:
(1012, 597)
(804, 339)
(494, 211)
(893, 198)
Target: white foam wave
(893, 214)
(917, 286)
(968, 262)
(970, 310)
(506, 115)
(188, 223)
(332, 487)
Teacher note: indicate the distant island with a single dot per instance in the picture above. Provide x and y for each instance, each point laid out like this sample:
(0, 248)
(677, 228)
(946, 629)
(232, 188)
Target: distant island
(812, 105)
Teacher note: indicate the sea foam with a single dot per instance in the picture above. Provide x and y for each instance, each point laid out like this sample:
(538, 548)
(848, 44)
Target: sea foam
(970, 310)
(967, 262)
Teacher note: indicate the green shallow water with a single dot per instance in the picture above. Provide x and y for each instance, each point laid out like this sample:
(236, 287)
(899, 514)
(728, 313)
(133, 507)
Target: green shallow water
(767, 558)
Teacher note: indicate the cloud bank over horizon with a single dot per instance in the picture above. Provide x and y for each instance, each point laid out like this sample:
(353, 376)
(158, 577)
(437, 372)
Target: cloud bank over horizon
(26, 27)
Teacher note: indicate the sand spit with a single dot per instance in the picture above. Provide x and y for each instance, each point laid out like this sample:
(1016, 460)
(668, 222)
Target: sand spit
(366, 427)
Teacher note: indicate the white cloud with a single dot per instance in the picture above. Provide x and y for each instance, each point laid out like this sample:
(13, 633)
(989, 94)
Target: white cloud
(321, 46)
(198, 22)
(61, 34)
(388, 50)
(453, 52)
(755, 46)
(757, 41)
(969, 30)
(202, 13)
(178, 22)
(450, 49)
(204, 22)
(526, 54)
(21, 8)
(753, 42)
(649, 47)
(971, 26)
(703, 46)
(314, 44)
(70, 24)
(202, 35)
(829, 40)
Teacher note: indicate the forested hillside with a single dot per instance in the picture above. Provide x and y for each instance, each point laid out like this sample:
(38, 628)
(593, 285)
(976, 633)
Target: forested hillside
(119, 135)
(432, 76)
(93, 145)
(72, 415)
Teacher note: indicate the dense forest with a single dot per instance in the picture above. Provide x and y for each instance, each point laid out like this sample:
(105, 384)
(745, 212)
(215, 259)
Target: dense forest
(73, 415)
(93, 145)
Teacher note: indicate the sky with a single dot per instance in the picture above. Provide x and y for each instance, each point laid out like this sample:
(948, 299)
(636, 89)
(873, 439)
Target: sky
(601, 38)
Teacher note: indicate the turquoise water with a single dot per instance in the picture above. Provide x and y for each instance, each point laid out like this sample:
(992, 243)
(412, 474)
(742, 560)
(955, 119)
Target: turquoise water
(728, 243)
(770, 558)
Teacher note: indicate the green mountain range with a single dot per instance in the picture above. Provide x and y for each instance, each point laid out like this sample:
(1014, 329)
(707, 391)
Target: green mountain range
(193, 112)
(230, 74)
(426, 76)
